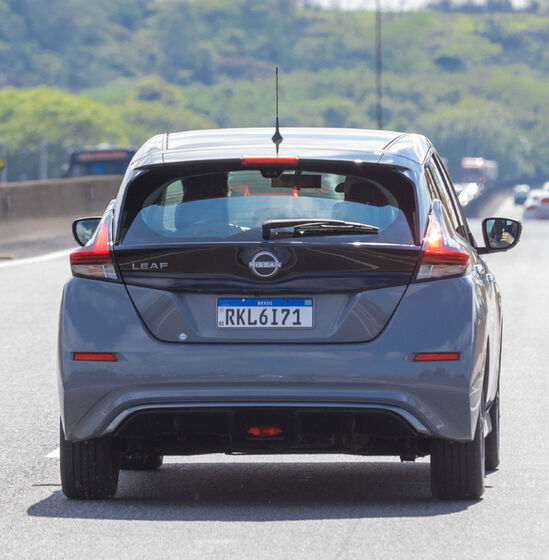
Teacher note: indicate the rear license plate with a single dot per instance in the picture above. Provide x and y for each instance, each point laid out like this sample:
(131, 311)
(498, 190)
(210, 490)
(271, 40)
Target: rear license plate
(265, 313)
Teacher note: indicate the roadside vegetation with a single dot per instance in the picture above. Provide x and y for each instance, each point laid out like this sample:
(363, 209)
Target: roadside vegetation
(77, 73)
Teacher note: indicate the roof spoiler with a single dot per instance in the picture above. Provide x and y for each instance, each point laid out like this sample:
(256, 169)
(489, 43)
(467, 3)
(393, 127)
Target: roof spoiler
(237, 162)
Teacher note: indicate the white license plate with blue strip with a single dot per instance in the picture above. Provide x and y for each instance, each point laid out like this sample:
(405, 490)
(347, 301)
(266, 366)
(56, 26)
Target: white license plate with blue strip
(265, 313)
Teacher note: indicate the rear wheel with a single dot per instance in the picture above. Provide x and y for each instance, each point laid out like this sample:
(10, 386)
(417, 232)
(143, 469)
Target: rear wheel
(89, 469)
(492, 439)
(141, 462)
(457, 468)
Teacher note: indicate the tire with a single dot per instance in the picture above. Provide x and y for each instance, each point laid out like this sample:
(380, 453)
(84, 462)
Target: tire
(492, 439)
(457, 468)
(89, 469)
(142, 462)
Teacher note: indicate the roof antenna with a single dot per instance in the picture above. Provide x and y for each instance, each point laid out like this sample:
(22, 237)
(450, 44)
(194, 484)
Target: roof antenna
(277, 137)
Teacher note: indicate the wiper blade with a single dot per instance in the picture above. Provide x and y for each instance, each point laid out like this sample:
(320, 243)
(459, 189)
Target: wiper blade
(305, 226)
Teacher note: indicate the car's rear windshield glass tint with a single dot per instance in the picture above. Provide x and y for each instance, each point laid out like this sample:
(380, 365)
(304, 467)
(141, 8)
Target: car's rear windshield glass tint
(233, 205)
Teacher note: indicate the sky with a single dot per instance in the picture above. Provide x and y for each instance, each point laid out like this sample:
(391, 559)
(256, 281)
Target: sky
(390, 4)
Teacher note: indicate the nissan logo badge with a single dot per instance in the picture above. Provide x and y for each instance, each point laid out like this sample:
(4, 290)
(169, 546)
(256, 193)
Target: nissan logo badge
(265, 264)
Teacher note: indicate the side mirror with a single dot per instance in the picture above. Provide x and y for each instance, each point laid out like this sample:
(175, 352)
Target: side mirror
(84, 228)
(500, 234)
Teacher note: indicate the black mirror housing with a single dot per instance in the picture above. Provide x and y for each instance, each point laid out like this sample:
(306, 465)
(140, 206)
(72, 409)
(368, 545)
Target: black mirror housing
(500, 234)
(84, 228)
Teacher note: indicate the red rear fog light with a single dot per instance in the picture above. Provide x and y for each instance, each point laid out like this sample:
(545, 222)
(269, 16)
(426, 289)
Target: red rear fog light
(265, 431)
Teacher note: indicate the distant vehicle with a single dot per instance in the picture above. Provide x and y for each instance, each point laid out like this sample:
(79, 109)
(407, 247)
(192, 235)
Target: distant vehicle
(536, 206)
(483, 172)
(327, 299)
(466, 192)
(520, 192)
(98, 161)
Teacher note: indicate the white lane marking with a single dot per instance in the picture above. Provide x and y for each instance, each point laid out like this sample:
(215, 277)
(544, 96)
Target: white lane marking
(33, 260)
(53, 454)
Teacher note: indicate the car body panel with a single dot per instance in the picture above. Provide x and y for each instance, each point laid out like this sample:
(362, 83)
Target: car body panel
(340, 317)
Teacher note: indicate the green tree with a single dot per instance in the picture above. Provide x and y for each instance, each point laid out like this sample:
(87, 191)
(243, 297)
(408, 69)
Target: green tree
(31, 118)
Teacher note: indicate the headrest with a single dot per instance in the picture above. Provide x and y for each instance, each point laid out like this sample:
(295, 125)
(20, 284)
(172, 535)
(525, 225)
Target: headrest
(361, 190)
(200, 187)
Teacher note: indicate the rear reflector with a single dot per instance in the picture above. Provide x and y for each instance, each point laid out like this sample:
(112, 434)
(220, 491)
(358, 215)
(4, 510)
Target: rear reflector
(269, 161)
(264, 431)
(436, 357)
(94, 260)
(94, 357)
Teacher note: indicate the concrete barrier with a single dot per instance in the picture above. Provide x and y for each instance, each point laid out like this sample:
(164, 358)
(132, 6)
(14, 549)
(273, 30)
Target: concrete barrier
(40, 209)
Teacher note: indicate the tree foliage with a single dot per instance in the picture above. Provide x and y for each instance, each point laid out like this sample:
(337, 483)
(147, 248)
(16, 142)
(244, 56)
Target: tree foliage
(475, 83)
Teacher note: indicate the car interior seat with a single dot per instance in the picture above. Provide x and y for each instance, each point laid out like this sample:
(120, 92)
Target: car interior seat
(204, 202)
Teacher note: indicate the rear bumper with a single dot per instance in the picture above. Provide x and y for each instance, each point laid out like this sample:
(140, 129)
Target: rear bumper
(437, 399)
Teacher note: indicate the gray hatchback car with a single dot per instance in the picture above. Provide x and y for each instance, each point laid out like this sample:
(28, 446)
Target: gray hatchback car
(322, 296)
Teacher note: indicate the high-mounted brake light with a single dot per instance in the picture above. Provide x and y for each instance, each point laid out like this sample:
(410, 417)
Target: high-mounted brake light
(269, 161)
(442, 254)
(436, 357)
(94, 260)
(94, 357)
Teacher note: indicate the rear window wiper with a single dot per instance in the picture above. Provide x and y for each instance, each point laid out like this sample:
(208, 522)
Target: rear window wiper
(303, 226)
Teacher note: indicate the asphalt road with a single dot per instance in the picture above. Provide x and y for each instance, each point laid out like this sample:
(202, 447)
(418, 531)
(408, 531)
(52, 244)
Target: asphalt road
(325, 507)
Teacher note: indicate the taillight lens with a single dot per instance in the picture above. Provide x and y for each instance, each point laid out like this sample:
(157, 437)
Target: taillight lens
(442, 254)
(545, 200)
(94, 260)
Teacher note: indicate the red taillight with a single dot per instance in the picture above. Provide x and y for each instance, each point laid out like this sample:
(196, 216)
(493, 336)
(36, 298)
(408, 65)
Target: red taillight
(264, 431)
(436, 357)
(269, 161)
(442, 254)
(545, 200)
(94, 357)
(95, 260)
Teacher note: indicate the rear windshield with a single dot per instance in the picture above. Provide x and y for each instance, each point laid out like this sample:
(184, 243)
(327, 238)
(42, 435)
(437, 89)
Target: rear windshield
(233, 205)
